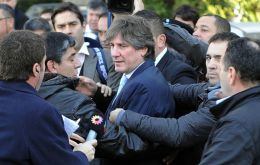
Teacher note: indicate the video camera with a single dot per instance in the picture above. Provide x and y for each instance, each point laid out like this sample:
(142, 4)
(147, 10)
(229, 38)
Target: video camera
(120, 6)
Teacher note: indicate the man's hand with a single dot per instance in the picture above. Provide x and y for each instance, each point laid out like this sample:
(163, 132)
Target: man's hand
(87, 86)
(105, 90)
(87, 148)
(219, 94)
(170, 158)
(114, 114)
(74, 139)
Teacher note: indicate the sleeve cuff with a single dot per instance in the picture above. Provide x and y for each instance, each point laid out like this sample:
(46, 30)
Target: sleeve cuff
(119, 117)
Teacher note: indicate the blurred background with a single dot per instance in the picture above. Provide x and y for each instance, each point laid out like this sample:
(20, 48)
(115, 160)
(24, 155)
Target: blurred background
(233, 10)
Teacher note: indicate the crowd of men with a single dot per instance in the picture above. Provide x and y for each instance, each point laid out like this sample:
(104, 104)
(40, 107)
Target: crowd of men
(179, 91)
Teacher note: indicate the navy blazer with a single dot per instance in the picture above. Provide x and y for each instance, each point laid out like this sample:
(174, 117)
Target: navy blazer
(146, 92)
(31, 130)
(176, 71)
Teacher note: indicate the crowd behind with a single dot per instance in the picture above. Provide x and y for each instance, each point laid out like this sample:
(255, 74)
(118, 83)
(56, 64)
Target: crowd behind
(183, 90)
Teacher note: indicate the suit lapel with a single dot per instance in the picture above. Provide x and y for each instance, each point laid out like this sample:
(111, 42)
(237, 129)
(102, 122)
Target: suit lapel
(141, 68)
(163, 62)
(90, 64)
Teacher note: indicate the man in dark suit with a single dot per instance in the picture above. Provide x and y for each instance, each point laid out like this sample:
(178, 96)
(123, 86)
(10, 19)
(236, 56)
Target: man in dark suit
(142, 89)
(173, 69)
(31, 129)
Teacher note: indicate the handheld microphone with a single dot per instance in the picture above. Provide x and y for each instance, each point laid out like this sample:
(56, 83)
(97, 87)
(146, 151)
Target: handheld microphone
(96, 125)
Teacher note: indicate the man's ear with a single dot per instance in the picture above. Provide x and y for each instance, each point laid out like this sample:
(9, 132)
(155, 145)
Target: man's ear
(161, 40)
(144, 51)
(232, 75)
(36, 69)
(52, 66)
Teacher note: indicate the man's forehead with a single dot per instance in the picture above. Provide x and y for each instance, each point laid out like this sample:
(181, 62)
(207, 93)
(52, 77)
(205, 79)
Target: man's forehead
(68, 14)
(207, 21)
(217, 48)
(95, 11)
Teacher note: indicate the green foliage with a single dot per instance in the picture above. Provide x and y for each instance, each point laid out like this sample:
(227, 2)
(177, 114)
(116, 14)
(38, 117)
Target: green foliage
(243, 10)
(25, 4)
(160, 7)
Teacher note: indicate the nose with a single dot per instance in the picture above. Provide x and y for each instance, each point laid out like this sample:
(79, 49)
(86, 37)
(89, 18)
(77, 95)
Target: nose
(114, 51)
(211, 65)
(67, 30)
(196, 33)
(77, 63)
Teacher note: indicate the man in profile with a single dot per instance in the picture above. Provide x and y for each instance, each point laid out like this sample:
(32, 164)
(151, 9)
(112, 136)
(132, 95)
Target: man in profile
(31, 129)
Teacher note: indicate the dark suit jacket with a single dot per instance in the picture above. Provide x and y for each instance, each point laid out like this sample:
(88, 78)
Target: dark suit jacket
(89, 69)
(176, 71)
(146, 92)
(20, 19)
(31, 129)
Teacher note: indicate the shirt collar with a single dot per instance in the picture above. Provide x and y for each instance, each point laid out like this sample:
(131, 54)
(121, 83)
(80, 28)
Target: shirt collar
(84, 49)
(221, 100)
(160, 56)
(131, 73)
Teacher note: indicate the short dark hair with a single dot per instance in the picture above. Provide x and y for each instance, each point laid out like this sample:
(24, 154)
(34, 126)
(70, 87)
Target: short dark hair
(221, 23)
(224, 36)
(7, 10)
(56, 45)
(135, 31)
(187, 13)
(154, 20)
(19, 51)
(67, 6)
(244, 55)
(97, 5)
(37, 24)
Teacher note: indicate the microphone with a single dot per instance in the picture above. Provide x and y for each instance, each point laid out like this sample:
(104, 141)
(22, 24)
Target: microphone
(96, 125)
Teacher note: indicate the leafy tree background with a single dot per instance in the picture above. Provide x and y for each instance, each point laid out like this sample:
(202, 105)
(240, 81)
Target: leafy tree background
(243, 10)
(25, 4)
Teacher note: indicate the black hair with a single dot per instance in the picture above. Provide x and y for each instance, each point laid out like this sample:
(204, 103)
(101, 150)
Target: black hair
(37, 24)
(67, 6)
(56, 45)
(244, 55)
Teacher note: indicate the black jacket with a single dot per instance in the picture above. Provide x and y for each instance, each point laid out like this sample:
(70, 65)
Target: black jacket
(189, 131)
(60, 92)
(194, 50)
(176, 71)
(235, 139)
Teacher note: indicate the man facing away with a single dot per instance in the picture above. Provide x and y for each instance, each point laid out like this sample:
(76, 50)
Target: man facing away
(31, 129)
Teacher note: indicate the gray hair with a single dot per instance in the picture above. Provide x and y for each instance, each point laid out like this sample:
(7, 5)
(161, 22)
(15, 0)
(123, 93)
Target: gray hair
(135, 31)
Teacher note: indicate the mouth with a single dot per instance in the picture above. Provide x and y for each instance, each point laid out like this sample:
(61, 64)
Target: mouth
(118, 62)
